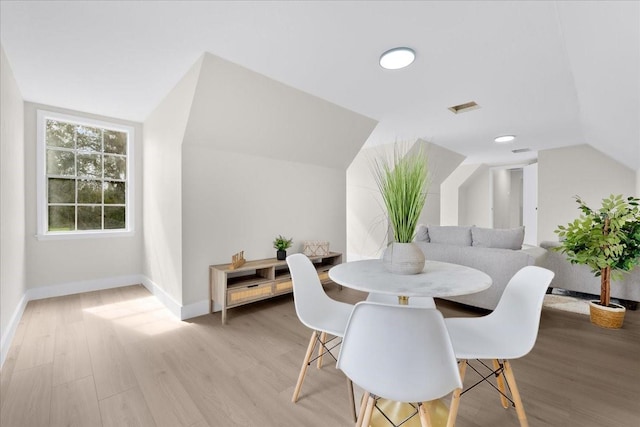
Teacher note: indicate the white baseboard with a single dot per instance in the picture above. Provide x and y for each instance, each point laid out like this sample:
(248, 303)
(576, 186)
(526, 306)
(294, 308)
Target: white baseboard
(82, 286)
(196, 309)
(167, 300)
(7, 337)
(182, 312)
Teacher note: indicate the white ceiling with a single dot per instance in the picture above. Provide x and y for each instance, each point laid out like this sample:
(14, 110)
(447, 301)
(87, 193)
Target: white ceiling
(552, 73)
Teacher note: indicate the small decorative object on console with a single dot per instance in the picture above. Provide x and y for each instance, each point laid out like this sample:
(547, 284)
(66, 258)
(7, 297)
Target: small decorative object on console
(237, 260)
(315, 248)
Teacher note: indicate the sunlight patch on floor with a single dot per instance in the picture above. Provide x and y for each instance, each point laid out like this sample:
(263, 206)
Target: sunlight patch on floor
(145, 315)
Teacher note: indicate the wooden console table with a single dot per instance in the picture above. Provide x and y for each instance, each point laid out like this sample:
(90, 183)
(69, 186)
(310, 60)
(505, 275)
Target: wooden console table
(258, 280)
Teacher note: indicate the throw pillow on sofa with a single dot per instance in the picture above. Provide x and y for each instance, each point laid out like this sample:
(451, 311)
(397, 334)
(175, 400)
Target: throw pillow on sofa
(508, 238)
(450, 235)
(422, 233)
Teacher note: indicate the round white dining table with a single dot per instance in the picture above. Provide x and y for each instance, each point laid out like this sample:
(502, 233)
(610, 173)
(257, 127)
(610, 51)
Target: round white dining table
(437, 279)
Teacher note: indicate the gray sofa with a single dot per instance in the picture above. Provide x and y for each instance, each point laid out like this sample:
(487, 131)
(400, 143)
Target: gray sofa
(499, 253)
(579, 278)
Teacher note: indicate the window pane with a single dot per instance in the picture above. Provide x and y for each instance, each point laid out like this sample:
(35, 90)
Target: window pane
(114, 193)
(115, 142)
(85, 176)
(90, 165)
(114, 217)
(60, 134)
(62, 218)
(62, 190)
(89, 218)
(115, 167)
(60, 163)
(89, 139)
(89, 191)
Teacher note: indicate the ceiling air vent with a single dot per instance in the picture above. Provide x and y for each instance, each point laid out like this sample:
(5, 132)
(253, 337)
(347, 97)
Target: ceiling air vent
(463, 108)
(521, 150)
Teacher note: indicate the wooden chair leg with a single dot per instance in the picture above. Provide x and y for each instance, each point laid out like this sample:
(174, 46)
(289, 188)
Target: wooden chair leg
(425, 417)
(363, 407)
(352, 402)
(323, 340)
(305, 364)
(462, 367)
(453, 408)
(511, 381)
(501, 387)
(455, 397)
(366, 419)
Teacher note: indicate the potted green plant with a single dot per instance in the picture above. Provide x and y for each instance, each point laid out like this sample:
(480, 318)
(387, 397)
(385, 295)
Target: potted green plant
(402, 181)
(607, 240)
(282, 244)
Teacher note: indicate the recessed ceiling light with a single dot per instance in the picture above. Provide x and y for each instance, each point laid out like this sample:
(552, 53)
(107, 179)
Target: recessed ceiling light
(397, 58)
(504, 139)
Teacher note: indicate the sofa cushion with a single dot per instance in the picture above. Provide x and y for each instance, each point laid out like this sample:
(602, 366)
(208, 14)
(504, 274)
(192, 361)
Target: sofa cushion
(422, 233)
(508, 238)
(450, 235)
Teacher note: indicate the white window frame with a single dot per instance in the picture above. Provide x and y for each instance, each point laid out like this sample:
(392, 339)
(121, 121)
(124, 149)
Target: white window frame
(43, 232)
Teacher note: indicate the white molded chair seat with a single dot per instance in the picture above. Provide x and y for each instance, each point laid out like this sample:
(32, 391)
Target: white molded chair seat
(316, 311)
(401, 353)
(509, 332)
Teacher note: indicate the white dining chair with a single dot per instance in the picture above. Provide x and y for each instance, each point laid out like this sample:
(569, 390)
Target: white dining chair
(508, 333)
(401, 353)
(323, 315)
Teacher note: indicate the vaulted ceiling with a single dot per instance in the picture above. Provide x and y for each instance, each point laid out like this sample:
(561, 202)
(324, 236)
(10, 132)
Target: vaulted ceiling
(552, 73)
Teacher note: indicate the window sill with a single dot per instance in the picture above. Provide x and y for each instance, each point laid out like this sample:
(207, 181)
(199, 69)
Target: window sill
(84, 235)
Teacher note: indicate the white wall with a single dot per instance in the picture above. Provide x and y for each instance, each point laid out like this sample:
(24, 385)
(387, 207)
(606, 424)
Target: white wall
(234, 201)
(530, 204)
(12, 205)
(578, 170)
(162, 186)
(500, 192)
(367, 225)
(260, 159)
(475, 199)
(66, 261)
(507, 197)
(450, 193)
(638, 183)
(442, 163)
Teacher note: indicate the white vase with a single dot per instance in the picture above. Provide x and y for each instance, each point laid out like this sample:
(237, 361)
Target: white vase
(403, 258)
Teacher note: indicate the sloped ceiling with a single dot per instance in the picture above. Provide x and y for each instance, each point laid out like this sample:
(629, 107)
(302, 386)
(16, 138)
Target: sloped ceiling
(553, 73)
(236, 109)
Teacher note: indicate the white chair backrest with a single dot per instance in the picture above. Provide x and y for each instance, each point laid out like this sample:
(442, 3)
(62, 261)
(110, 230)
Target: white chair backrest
(310, 299)
(517, 315)
(401, 353)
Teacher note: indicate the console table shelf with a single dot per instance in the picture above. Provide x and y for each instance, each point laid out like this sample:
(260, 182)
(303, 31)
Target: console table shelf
(258, 280)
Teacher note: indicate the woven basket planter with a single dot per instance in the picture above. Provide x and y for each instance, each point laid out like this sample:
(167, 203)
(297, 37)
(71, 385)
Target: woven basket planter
(606, 317)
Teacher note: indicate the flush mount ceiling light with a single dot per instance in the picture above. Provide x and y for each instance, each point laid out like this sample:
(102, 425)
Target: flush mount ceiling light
(504, 139)
(397, 58)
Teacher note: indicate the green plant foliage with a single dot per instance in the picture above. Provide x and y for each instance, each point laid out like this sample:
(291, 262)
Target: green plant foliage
(608, 237)
(403, 185)
(282, 243)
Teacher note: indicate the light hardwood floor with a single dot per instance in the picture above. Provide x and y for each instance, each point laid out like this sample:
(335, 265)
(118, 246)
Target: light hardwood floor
(118, 358)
